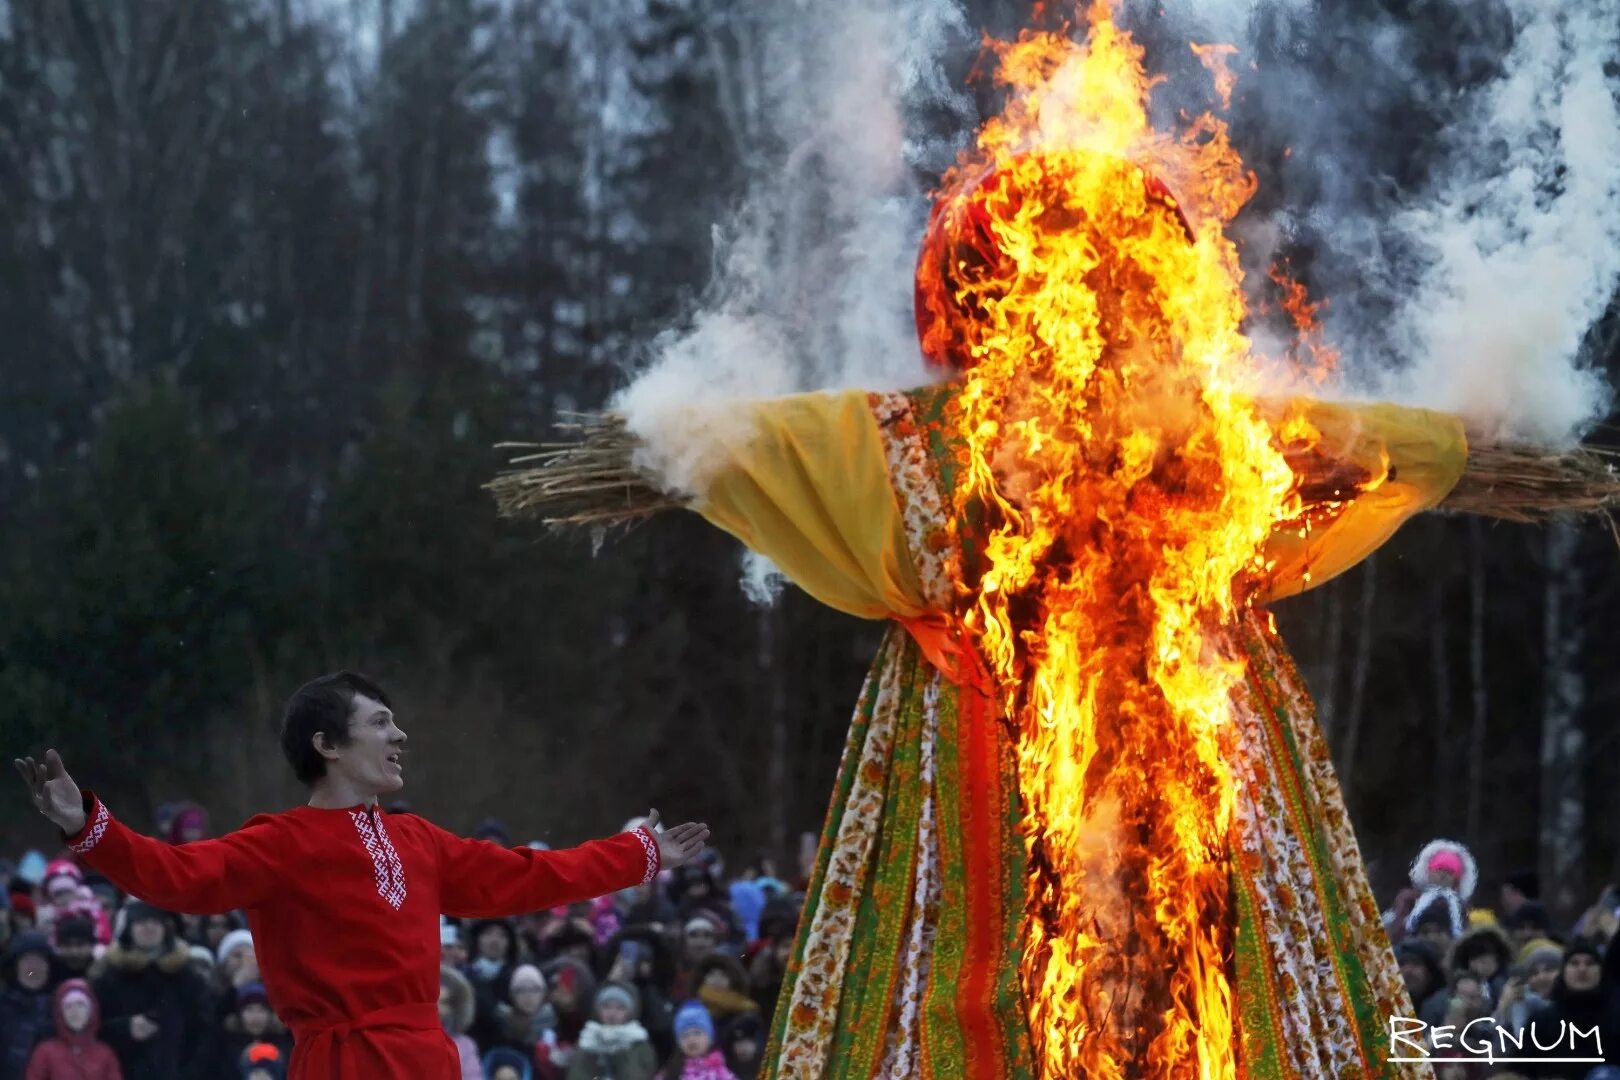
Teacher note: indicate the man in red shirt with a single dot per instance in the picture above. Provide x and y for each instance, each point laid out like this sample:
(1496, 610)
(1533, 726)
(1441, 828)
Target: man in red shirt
(344, 900)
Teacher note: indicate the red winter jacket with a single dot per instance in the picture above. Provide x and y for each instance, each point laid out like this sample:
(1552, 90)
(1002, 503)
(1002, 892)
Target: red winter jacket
(74, 1055)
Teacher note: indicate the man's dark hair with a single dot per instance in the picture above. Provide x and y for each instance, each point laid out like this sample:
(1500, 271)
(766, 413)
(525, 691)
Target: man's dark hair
(322, 706)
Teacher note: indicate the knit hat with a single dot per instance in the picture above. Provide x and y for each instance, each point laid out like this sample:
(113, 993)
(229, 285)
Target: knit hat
(62, 870)
(202, 955)
(233, 942)
(265, 1057)
(1446, 860)
(248, 993)
(1540, 951)
(1528, 915)
(524, 975)
(703, 921)
(622, 994)
(693, 1015)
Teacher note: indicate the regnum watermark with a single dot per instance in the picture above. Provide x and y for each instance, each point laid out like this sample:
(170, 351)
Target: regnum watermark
(1483, 1039)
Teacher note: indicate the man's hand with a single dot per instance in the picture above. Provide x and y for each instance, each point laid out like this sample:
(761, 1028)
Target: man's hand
(54, 793)
(677, 846)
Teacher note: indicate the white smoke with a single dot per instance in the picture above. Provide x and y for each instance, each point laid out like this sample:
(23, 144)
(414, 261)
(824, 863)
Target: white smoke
(1472, 288)
(814, 274)
(1523, 236)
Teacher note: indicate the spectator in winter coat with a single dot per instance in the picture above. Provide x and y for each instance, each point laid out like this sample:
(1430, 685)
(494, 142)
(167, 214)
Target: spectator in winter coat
(525, 1018)
(251, 1021)
(25, 1001)
(642, 958)
(75, 1053)
(696, 1056)
(76, 946)
(1445, 873)
(573, 988)
(742, 1041)
(723, 987)
(1582, 1001)
(1527, 923)
(1484, 951)
(1420, 970)
(456, 1014)
(157, 1014)
(66, 896)
(495, 956)
(614, 1044)
(1529, 986)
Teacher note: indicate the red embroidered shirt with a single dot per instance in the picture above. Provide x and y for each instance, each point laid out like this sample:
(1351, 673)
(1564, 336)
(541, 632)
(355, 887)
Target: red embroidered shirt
(344, 908)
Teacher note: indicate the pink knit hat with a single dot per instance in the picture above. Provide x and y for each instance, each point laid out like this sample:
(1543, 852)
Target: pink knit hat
(1447, 860)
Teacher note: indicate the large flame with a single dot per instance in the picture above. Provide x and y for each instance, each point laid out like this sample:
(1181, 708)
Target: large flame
(1126, 484)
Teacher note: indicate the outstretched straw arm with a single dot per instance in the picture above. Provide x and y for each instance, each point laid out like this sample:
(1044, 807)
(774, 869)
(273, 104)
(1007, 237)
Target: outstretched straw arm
(590, 481)
(593, 480)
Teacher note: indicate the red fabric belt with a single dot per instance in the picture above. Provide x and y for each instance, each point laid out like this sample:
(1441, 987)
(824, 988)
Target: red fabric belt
(332, 1041)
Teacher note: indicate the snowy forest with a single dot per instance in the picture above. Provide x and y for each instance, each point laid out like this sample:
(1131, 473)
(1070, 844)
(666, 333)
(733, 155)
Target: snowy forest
(278, 275)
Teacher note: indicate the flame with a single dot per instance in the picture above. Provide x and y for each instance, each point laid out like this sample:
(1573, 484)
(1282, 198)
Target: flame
(1126, 485)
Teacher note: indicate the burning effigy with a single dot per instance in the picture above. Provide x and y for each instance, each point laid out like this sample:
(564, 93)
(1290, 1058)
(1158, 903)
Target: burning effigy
(1085, 824)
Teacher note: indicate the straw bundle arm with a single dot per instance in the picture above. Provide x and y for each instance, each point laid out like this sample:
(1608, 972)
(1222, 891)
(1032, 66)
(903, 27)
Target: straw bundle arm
(593, 480)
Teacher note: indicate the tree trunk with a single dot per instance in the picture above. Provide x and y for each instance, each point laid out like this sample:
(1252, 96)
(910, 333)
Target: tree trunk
(1476, 669)
(1444, 790)
(1563, 742)
(1363, 668)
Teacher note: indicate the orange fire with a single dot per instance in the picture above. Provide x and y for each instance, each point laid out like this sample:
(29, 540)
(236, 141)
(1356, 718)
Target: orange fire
(1126, 484)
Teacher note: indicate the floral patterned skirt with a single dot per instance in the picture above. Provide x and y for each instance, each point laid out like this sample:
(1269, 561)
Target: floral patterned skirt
(906, 963)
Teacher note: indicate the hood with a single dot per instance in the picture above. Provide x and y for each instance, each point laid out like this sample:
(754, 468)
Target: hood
(29, 941)
(173, 959)
(730, 965)
(1419, 872)
(461, 999)
(76, 1038)
(1478, 941)
(505, 1055)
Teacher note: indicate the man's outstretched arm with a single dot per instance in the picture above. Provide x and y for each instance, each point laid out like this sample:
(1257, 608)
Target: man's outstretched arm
(483, 880)
(235, 871)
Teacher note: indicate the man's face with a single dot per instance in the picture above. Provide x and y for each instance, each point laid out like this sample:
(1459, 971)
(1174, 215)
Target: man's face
(1581, 972)
(147, 933)
(76, 1012)
(370, 760)
(1523, 935)
(76, 955)
(493, 942)
(716, 979)
(33, 971)
(255, 1018)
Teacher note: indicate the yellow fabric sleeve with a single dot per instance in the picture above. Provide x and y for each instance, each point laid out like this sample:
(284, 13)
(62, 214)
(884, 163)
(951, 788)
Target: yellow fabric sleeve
(804, 481)
(1419, 455)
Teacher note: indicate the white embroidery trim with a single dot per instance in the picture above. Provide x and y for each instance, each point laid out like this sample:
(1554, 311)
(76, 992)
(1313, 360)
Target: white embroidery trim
(384, 859)
(98, 829)
(650, 846)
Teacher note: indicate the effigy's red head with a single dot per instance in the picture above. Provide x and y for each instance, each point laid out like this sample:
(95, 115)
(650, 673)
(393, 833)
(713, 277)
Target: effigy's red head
(962, 264)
